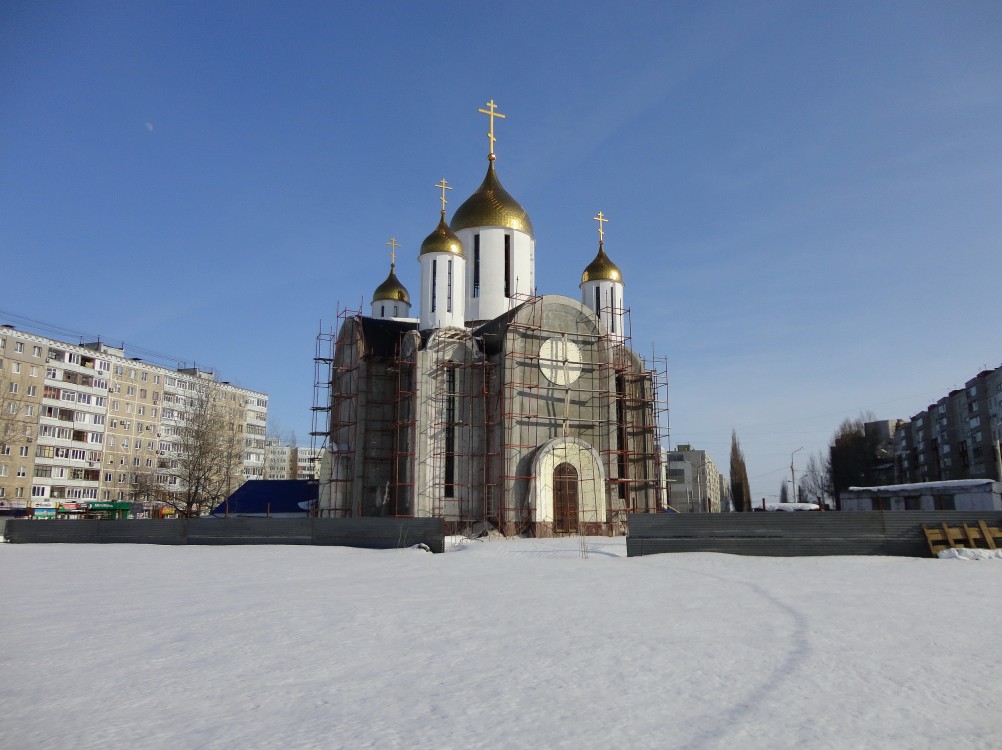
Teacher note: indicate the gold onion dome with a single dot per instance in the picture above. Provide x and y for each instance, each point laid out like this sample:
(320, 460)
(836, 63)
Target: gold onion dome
(391, 289)
(602, 269)
(491, 206)
(442, 240)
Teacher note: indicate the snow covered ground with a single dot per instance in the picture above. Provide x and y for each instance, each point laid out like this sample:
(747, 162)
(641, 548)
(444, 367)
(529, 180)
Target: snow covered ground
(501, 644)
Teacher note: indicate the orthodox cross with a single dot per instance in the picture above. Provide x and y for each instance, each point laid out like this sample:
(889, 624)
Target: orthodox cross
(393, 250)
(444, 186)
(491, 113)
(601, 220)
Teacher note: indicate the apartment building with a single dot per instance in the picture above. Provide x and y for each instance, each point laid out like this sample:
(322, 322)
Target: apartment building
(693, 481)
(291, 462)
(955, 438)
(85, 423)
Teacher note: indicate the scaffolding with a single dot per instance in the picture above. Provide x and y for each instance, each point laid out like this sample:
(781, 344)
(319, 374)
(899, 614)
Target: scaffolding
(452, 424)
(335, 412)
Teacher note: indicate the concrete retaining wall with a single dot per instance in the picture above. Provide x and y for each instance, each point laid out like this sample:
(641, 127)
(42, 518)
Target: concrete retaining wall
(791, 534)
(371, 533)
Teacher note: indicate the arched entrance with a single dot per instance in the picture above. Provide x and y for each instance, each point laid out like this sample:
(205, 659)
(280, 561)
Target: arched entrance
(565, 499)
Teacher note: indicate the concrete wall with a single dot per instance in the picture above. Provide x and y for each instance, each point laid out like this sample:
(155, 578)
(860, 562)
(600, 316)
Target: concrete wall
(371, 533)
(791, 534)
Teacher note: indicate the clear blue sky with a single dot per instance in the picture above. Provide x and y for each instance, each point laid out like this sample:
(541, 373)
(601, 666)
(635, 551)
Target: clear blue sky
(805, 198)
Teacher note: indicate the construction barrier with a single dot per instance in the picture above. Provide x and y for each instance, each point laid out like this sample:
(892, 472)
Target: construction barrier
(370, 533)
(780, 534)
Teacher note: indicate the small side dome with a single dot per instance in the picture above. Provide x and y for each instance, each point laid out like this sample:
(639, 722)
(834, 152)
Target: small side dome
(602, 269)
(442, 240)
(491, 206)
(391, 289)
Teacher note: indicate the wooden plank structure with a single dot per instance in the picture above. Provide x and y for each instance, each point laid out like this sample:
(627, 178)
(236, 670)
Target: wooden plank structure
(978, 534)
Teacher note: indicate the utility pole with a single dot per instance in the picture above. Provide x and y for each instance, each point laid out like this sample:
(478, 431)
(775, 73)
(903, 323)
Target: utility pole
(793, 473)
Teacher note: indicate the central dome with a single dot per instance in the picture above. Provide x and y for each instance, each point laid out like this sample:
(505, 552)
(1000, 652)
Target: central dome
(491, 206)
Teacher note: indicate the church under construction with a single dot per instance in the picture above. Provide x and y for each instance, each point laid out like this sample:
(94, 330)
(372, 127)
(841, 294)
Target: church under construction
(491, 404)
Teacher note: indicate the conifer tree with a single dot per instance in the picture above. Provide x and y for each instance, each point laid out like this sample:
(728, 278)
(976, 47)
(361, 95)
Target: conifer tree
(740, 490)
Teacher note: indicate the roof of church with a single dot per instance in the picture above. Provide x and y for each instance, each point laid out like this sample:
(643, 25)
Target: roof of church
(602, 269)
(391, 289)
(491, 206)
(382, 337)
(442, 240)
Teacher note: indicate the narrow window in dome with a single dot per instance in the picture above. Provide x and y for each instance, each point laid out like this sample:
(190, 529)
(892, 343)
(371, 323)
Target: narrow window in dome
(448, 298)
(476, 265)
(598, 303)
(507, 265)
(396, 312)
(382, 311)
(434, 283)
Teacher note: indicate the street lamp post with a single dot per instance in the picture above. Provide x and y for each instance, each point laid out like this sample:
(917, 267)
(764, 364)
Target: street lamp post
(793, 473)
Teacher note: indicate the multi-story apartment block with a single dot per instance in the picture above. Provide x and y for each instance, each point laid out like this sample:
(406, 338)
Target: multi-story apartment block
(308, 462)
(693, 481)
(85, 423)
(277, 459)
(956, 437)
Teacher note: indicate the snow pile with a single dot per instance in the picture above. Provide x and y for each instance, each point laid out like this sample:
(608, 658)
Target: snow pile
(788, 506)
(963, 553)
(495, 644)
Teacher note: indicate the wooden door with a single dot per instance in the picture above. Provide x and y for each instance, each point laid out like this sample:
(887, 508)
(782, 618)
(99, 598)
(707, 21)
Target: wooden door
(565, 499)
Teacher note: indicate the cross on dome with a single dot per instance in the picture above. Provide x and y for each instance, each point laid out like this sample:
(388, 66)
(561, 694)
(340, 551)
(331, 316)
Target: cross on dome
(443, 185)
(601, 220)
(393, 250)
(491, 113)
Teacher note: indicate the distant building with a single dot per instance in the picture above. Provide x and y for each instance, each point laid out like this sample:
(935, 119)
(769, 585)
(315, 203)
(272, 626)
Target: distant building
(307, 462)
(84, 423)
(693, 481)
(958, 494)
(956, 437)
(278, 460)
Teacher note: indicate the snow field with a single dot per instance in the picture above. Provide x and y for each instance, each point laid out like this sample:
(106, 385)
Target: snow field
(497, 644)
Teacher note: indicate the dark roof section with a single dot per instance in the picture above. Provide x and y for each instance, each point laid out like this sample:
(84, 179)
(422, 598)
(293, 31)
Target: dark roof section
(381, 338)
(491, 334)
(264, 496)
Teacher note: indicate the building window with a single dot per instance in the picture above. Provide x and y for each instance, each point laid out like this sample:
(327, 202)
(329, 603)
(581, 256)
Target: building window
(476, 265)
(507, 265)
(18, 346)
(598, 303)
(448, 290)
(434, 282)
(612, 309)
(36, 351)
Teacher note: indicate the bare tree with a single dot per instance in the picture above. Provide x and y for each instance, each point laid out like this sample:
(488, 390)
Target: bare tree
(740, 489)
(15, 426)
(815, 482)
(784, 492)
(207, 455)
(852, 456)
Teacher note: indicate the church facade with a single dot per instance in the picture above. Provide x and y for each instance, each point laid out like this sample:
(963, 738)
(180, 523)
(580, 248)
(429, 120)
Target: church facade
(492, 404)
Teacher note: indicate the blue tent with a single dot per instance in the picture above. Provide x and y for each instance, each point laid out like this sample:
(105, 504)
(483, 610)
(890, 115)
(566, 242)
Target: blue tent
(281, 498)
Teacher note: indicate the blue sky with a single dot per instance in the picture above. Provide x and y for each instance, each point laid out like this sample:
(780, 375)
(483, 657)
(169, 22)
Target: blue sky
(804, 198)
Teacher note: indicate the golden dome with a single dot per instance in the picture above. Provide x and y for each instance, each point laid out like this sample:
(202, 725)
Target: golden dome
(602, 269)
(491, 206)
(391, 289)
(442, 240)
